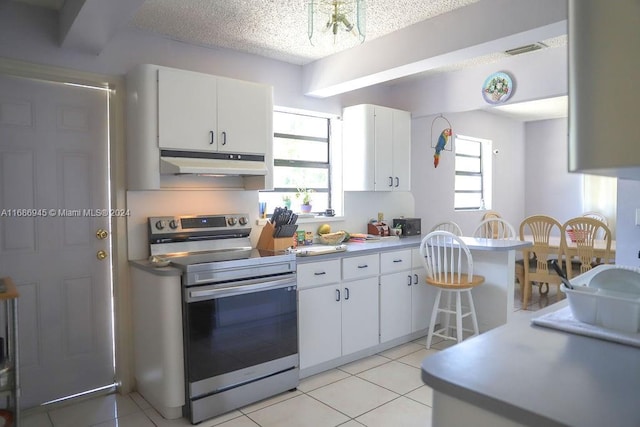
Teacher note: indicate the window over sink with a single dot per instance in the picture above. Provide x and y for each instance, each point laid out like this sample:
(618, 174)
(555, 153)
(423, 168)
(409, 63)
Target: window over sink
(302, 153)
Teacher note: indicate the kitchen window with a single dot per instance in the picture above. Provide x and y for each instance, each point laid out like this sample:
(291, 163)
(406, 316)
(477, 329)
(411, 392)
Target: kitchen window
(472, 173)
(302, 159)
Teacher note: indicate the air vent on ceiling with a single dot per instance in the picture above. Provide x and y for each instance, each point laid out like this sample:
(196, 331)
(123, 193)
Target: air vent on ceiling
(525, 49)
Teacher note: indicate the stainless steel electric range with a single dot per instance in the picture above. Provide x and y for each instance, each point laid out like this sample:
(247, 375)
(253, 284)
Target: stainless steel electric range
(239, 311)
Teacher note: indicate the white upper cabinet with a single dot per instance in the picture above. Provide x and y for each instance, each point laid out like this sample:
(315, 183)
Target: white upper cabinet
(187, 115)
(194, 130)
(377, 148)
(245, 116)
(604, 135)
(208, 113)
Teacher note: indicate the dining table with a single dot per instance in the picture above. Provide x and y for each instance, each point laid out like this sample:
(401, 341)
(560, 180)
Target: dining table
(571, 249)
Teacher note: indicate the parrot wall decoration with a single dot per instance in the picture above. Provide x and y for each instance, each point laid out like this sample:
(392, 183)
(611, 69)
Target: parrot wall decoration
(442, 142)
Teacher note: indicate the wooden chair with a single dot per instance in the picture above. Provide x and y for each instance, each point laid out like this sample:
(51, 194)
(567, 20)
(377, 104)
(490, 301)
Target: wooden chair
(495, 228)
(449, 266)
(491, 214)
(534, 266)
(582, 245)
(599, 217)
(596, 215)
(449, 226)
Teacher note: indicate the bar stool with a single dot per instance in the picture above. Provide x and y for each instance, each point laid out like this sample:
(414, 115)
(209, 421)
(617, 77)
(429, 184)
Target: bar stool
(445, 256)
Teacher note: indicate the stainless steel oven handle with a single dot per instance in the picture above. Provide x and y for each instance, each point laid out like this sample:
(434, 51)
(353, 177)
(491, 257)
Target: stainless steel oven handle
(244, 288)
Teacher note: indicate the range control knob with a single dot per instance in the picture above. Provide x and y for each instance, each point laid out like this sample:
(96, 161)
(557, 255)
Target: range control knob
(243, 220)
(173, 224)
(231, 221)
(159, 225)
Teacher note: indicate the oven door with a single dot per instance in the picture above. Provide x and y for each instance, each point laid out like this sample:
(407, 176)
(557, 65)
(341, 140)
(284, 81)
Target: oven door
(239, 332)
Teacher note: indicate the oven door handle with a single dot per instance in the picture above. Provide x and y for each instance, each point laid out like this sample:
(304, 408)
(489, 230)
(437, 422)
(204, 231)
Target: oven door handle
(246, 287)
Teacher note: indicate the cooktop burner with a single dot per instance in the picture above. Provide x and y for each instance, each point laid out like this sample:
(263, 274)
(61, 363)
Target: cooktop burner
(212, 243)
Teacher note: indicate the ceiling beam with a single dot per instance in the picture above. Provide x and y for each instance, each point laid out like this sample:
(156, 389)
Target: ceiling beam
(88, 25)
(485, 27)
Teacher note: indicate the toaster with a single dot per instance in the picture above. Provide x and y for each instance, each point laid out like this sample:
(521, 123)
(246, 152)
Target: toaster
(410, 226)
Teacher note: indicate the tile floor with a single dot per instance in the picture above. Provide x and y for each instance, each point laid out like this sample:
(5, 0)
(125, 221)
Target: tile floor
(378, 391)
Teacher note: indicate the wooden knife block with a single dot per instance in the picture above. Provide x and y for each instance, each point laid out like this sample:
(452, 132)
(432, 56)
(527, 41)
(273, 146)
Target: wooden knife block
(267, 242)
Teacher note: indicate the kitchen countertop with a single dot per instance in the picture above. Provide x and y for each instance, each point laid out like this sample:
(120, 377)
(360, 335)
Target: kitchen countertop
(539, 376)
(145, 265)
(393, 243)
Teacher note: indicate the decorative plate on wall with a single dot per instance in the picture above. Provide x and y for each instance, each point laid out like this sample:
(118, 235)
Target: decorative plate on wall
(497, 88)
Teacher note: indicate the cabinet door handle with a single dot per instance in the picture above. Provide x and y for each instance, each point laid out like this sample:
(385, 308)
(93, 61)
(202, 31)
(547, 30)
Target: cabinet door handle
(409, 277)
(211, 137)
(346, 293)
(224, 138)
(415, 279)
(397, 181)
(363, 266)
(337, 294)
(390, 181)
(320, 273)
(397, 260)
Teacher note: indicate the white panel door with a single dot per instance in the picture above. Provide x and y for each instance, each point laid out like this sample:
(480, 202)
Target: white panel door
(53, 189)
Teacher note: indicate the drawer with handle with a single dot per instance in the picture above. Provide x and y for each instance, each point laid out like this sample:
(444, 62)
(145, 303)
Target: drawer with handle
(390, 262)
(318, 273)
(360, 266)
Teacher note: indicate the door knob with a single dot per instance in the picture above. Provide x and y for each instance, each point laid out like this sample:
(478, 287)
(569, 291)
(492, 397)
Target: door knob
(101, 255)
(102, 234)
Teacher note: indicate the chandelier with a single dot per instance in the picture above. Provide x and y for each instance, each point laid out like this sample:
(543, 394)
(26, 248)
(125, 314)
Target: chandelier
(335, 17)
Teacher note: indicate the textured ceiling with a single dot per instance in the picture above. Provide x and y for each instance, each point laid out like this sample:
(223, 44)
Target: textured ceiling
(275, 28)
(278, 29)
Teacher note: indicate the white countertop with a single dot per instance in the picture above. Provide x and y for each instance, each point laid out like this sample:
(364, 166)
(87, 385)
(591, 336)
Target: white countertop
(388, 244)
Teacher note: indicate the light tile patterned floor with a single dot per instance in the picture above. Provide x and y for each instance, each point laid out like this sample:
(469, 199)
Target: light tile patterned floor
(381, 390)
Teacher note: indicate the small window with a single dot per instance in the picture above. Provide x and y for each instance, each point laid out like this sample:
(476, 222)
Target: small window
(301, 156)
(472, 173)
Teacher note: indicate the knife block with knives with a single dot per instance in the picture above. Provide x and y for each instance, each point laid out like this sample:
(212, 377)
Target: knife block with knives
(277, 234)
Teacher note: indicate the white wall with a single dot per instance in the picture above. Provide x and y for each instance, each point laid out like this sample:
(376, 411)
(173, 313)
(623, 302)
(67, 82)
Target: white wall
(432, 187)
(550, 188)
(537, 75)
(628, 234)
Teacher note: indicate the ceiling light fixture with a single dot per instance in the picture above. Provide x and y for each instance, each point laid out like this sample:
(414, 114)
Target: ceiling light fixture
(335, 16)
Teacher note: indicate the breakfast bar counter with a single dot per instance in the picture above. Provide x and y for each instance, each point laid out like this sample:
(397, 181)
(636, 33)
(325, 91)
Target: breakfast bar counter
(492, 258)
(522, 374)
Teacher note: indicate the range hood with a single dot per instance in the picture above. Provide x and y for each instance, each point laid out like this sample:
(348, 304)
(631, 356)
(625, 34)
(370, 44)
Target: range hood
(215, 164)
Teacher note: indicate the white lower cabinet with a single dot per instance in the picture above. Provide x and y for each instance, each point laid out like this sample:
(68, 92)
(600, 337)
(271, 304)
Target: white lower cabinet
(356, 303)
(405, 299)
(336, 320)
(319, 325)
(422, 295)
(395, 305)
(359, 315)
